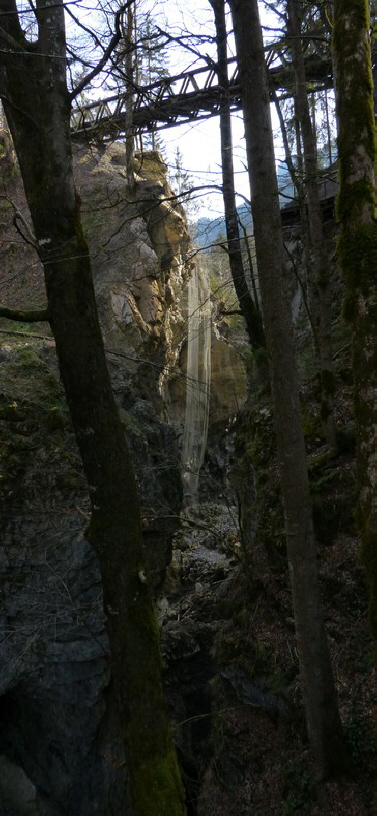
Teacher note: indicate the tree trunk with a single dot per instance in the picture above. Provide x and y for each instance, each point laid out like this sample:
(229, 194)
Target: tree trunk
(128, 31)
(322, 716)
(320, 261)
(296, 176)
(250, 312)
(357, 246)
(37, 106)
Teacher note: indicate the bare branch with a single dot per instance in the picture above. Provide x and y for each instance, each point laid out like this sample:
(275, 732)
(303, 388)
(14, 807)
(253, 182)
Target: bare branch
(26, 234)
(115, 39)
(11, 31)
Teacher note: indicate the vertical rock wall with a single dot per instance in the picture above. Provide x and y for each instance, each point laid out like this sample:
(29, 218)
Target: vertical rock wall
(60, 752)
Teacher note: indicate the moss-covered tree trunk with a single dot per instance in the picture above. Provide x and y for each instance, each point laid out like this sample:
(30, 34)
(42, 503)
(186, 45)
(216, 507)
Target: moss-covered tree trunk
(356, 209)
(37, 105)
(322, 716)
(320, 264)
(297, 175)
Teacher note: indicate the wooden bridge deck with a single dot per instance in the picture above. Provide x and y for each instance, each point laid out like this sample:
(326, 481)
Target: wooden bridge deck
(181, 99)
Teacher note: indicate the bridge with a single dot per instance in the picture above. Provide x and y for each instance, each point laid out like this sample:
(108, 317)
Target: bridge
(184, 98)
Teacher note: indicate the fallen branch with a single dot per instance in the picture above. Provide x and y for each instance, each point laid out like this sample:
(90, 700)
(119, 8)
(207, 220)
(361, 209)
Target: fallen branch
(22, 316)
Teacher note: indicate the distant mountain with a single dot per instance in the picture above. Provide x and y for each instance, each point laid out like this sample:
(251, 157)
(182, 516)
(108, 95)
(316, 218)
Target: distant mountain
(208, 231)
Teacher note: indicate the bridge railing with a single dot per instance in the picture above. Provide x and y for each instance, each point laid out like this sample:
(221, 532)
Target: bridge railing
(180, 98)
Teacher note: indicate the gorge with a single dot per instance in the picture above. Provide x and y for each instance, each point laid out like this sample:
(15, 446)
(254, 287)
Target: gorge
(60, 750)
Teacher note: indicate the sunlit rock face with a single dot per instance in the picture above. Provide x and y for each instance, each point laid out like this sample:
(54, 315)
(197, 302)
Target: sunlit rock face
(60, 748)
(228, 381)
(143, 262)
(140, 247)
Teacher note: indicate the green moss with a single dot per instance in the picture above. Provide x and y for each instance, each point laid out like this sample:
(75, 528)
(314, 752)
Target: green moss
(311, 424)
(156, 787)
(5, 206)
(154, 776)
(355, 98)
(11, 413)
(55, 419)
(323, 480)
(27, 378)
(33, 415)
(353, 199)
(357, 247)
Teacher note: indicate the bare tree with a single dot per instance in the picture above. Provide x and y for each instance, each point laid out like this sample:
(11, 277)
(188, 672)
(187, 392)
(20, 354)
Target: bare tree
(319, 261)
(358, 252)
(320, 700)
(36, 101)
(127, 31)
(249, 309)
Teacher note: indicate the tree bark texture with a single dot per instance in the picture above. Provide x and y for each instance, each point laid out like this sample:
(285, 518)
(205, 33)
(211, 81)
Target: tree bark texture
(296, 175)
(356, 210)
(36, 102)
(249, 309)
(322, 716)
(129, 59)
(320, 265)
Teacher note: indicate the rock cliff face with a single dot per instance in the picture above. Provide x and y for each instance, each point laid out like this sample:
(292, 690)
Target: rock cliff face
(60, 751)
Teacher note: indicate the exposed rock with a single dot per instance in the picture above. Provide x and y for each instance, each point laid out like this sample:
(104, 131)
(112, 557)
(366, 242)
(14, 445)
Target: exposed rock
(60, 747)
(60, 739)
(18, 795)
(228, 381)
(57, 720)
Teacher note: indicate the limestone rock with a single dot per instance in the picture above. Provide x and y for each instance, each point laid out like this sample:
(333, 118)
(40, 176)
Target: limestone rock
(60, 747)
(60, 743)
